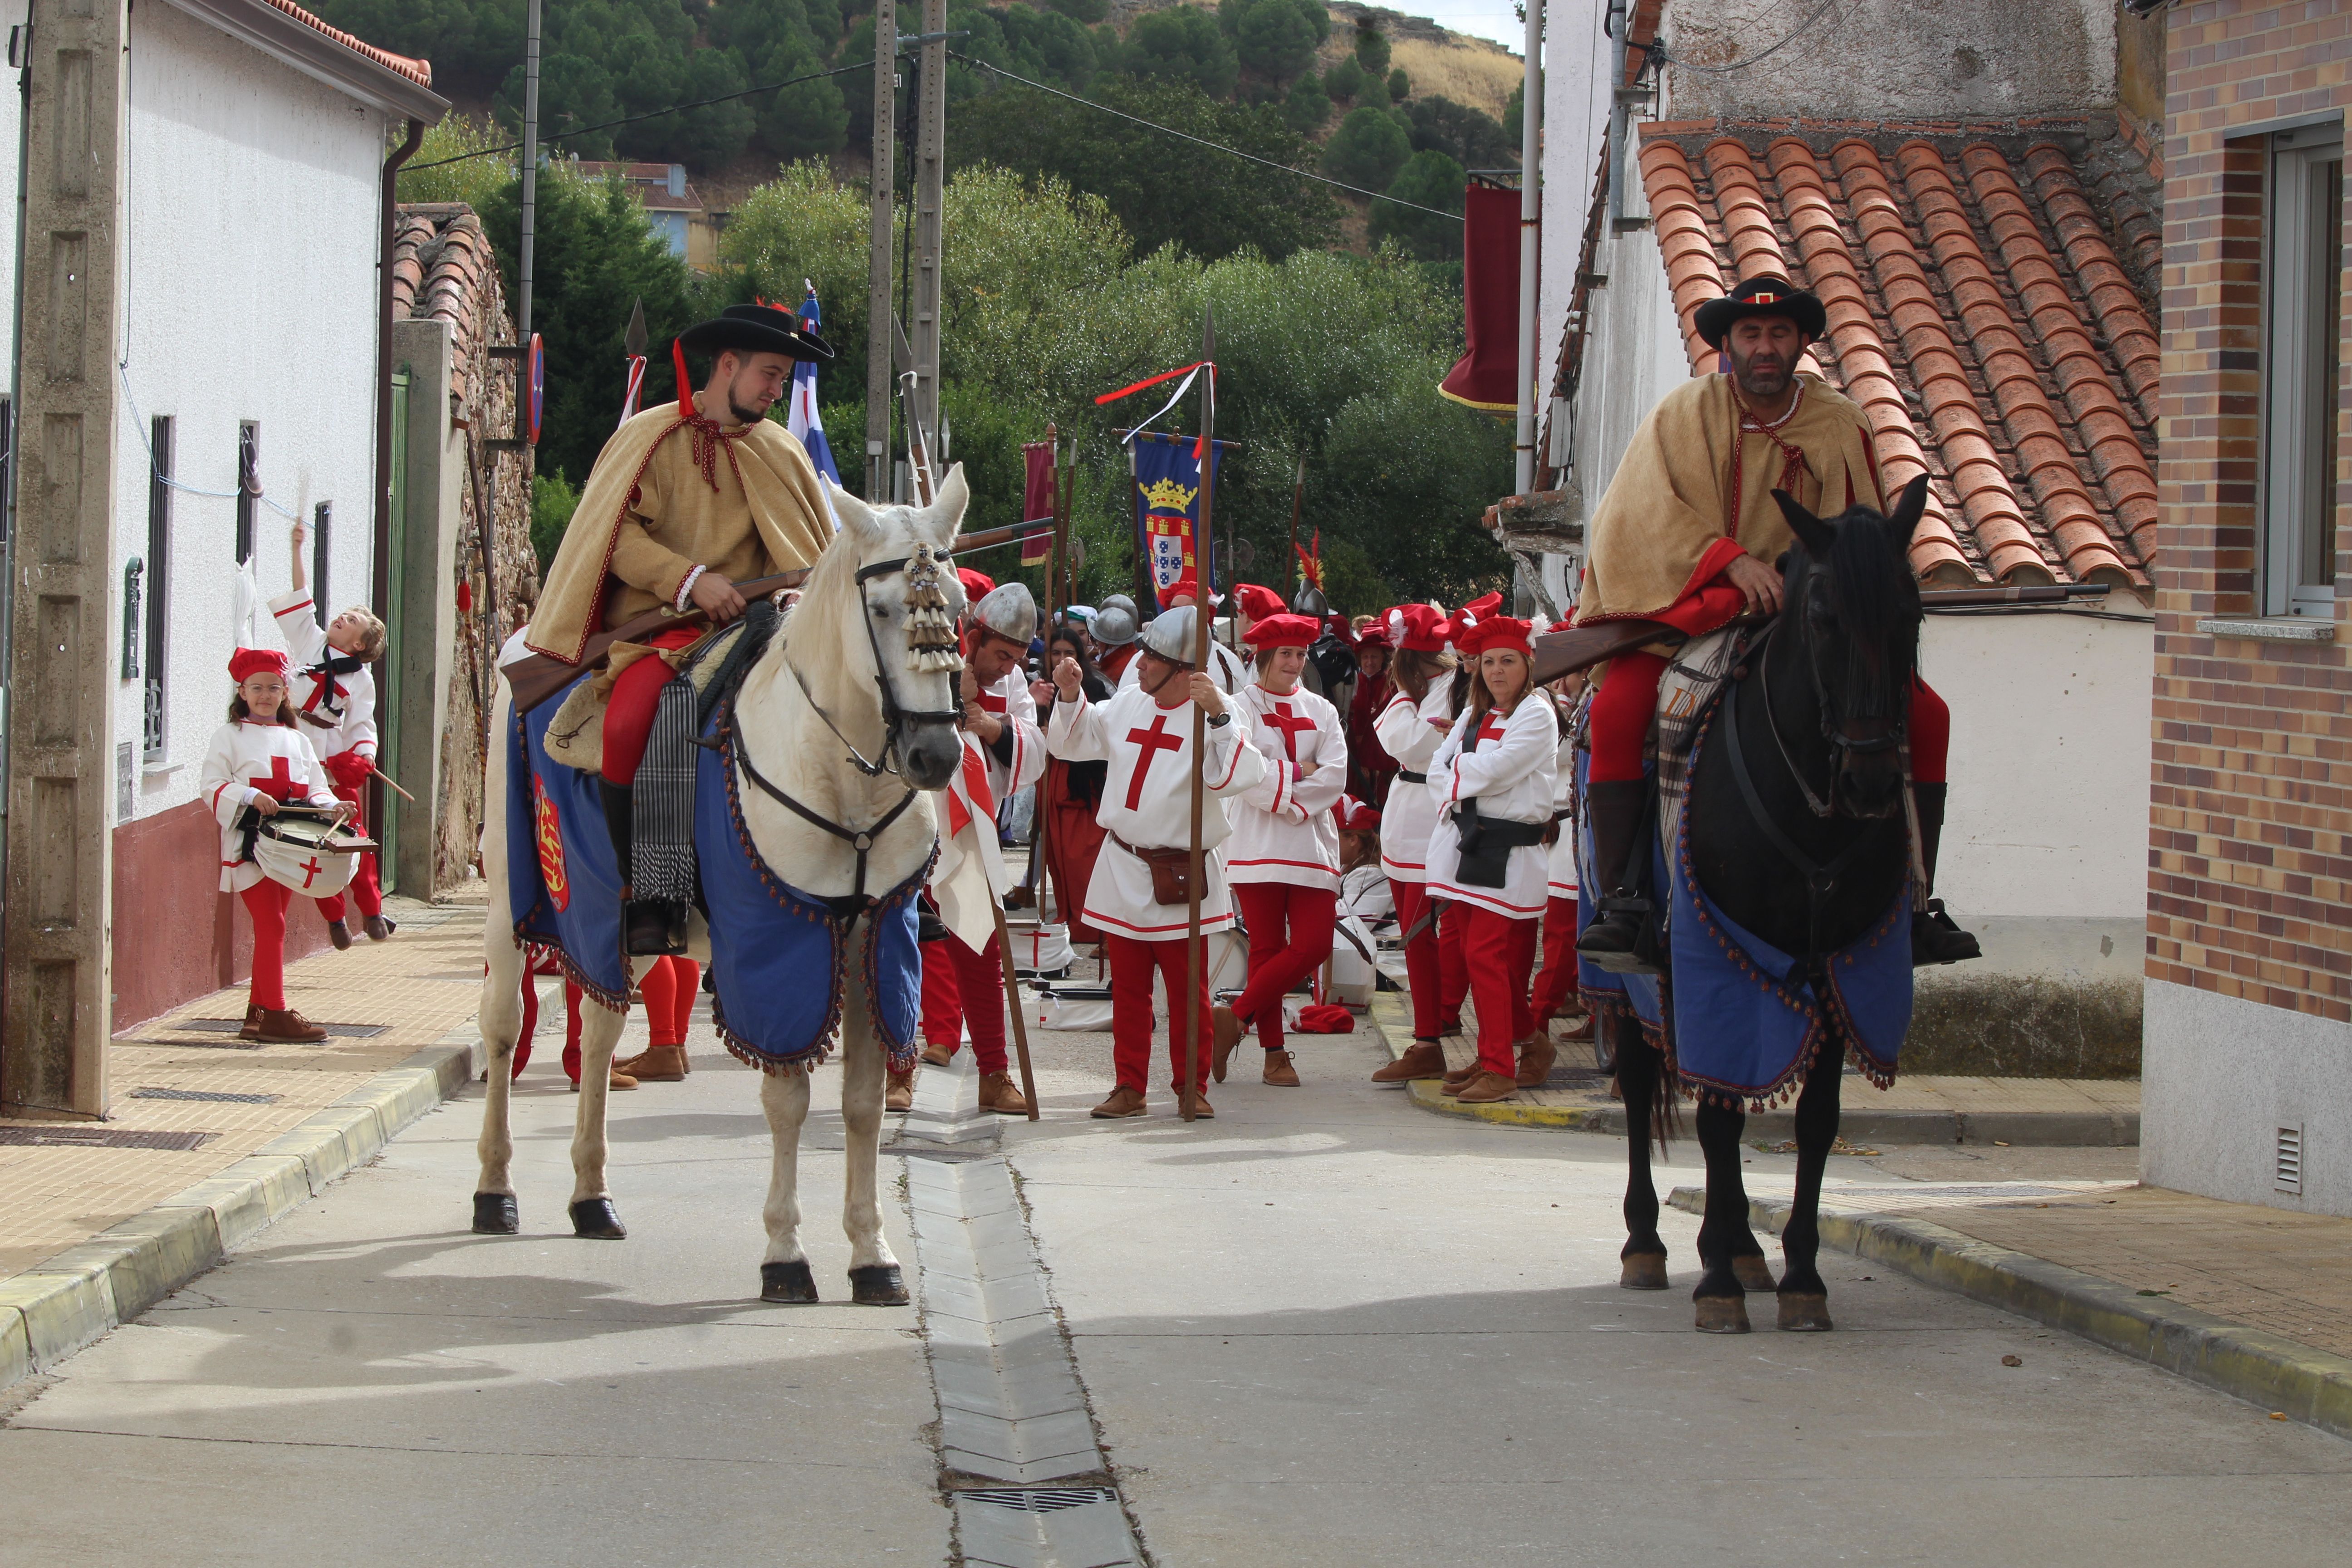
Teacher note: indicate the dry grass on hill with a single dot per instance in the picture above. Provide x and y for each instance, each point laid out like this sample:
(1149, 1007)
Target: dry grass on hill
(1469, 70)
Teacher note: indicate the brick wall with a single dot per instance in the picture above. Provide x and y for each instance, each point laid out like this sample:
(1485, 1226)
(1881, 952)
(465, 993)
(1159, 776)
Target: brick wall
(2250, 815)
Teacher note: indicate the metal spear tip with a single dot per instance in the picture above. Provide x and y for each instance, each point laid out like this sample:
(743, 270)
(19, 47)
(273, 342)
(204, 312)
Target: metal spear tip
(634, 341)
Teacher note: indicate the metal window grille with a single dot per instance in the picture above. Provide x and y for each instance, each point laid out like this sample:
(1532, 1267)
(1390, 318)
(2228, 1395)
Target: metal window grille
(321, 517)
(2287, 1161)
(159, 577)
(249, 485)
(2302, 311)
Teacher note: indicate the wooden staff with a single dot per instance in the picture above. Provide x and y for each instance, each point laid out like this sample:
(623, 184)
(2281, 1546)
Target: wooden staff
(1297, 490)
(1196, 957)
(1012, 1004)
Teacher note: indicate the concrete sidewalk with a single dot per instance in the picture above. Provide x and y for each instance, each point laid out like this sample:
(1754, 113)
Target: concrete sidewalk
(2011, 1112)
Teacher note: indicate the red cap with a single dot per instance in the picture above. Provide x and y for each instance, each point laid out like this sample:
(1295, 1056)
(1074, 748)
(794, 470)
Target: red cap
(248, 661)
(1259, 603)
(1284, 631)
(1355, 817)
(1421, 627)
(1482, 608)
(1494, 631)
(977, 585)
(1187, 586)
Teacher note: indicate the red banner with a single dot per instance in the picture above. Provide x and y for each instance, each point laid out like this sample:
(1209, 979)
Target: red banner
(1488, 376)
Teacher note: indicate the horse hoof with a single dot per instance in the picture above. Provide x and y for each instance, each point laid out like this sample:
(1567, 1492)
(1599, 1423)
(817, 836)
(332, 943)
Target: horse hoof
(495, 1214)
(598, 1220)
(1754, 1274)
(1804, 1312)
(1643, 1271)
(1722, 1314)
(878, 1284)
(791, 1284)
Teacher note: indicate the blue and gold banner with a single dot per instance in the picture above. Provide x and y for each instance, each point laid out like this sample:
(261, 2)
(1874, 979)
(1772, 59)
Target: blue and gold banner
(1168, 506)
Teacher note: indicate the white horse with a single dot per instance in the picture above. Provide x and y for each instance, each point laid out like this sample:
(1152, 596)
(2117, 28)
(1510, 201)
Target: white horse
(826, 685)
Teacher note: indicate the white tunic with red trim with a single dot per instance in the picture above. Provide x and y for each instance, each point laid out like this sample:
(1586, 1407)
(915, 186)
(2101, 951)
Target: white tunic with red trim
(1562, 857)
(1283, 828)
(969, 880)
(1511, 773)
(247, 759)
(338, 709)
(1410, 733)
(1147, 802)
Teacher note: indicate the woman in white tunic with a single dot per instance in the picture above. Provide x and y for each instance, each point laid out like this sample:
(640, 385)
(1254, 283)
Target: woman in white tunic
(1410, 728)
(1493, 778)
(257, 761)
(1284, 856)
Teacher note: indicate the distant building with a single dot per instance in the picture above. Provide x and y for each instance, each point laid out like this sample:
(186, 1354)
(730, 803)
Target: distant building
(673, 208)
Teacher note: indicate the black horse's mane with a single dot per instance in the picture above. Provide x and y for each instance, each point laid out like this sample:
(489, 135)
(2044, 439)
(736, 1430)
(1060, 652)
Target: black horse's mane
(1876, 600)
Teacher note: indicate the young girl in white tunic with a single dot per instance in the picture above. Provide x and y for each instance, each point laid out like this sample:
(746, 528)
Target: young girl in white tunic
(1496, 768)
(1410, 728)
(257, 761)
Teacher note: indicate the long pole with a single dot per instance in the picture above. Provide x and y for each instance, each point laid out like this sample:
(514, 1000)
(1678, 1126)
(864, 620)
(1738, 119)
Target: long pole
(1297, 491)
(930, 165)
(879, 321)
(1196, 957)
(1012, 1004)
(530, 179)
(1530, 233)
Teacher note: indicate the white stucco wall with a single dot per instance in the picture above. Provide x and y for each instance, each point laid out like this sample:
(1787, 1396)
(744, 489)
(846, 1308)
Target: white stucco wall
(1575, 123)
(12, 125)
(2220, 1076)
(248, 293)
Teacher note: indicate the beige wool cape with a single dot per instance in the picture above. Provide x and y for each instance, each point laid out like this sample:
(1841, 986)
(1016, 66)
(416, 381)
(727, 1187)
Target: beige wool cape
(1666, 528)
(670, 492)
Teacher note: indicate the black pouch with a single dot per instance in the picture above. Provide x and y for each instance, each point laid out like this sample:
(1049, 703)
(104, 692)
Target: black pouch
(1485, 856)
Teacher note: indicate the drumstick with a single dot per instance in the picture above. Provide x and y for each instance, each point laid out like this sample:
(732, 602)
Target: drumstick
(388, 780)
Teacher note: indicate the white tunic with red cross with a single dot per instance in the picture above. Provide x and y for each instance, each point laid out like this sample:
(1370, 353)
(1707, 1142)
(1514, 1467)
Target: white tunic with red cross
(1147, 802)
(1283, 830)
(969, 878)
(249, 759)
(1009, 700)
(337, 707)
(1410, 732)
(1511, 773)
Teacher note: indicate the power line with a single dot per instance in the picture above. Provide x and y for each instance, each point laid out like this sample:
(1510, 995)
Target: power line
(1658, 55)
(1201, 141)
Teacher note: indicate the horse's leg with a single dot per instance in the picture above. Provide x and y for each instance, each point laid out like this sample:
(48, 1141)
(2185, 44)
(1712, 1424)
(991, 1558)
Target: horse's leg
(592, 1213)
(1728, 1235)
(1642, 1263)
(874, 1277)
(1720, 1297)
(1804, 1299)
(783, 1270)
(504, 975)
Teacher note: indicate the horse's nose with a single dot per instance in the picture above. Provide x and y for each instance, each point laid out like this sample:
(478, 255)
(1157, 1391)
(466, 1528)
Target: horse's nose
(930, 755)
(1871, 787)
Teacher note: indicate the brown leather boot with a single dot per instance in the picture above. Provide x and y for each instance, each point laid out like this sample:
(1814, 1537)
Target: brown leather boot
(1280, 1072)
(999, 1093)
(1486, 1086)
(1456, 1077)
(285, 1026)
(378, 928)
(937, 1056)
(1423, 1058)
(1123, 1103)
(1580, 1027)
(1226, 1029)
(340, 933)
(614, 1079)
(654, 1064)
(1535, 1055)
(252, 1030)
(1201, 1109)
(901, 1093)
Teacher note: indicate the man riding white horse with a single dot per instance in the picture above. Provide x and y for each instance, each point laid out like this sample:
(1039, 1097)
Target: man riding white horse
(1689, 534)
(686, 500)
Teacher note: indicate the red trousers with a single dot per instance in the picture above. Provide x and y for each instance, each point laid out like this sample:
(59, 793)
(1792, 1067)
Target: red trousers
(1131, 966)
(1289, 937)
(1453, 966)
(1501, 951)
(953, 972)
(629, 715)
(669, 988)
(1557, 983)
(1627, 698)
(1435, 971)
(365, 891)
(265, 901)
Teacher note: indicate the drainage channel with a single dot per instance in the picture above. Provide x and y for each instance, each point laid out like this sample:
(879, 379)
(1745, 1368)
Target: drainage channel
(1029, 1485)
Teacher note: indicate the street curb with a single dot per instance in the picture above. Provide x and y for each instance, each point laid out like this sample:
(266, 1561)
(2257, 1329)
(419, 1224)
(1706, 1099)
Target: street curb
(2019, 1128)
(2267, 1370)
(56, 1308)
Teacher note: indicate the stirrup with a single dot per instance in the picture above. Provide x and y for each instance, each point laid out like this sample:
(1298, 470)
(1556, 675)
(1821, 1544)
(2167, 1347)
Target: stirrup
(653, 928)
(1937, 938)
(1619, 940)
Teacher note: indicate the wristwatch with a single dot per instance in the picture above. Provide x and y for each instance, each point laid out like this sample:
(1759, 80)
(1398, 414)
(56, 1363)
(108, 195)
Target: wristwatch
(1219, 720)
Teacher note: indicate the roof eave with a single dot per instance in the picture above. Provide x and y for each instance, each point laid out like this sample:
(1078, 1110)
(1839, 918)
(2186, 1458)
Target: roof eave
(318, 56)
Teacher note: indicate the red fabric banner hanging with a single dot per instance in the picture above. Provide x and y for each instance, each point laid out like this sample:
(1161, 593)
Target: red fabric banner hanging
(1486, 377)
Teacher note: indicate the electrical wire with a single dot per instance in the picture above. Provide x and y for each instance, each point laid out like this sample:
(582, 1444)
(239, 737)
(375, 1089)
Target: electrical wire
(1202, 142)
(1658, 56)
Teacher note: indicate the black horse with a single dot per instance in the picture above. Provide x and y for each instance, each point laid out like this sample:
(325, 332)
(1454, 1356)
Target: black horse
(1808, 851)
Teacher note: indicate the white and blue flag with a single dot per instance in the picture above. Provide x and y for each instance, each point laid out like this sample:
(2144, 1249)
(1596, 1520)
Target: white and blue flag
(802, 417)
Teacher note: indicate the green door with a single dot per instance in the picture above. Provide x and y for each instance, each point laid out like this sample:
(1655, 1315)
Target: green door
(388, 696)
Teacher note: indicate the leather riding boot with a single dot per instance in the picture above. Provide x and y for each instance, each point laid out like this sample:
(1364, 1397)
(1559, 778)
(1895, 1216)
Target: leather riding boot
(1936, 937)
(649, 928)
(1610, 941)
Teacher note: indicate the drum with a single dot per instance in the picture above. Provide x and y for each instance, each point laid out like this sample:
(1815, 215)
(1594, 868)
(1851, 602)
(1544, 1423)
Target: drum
(302, 851)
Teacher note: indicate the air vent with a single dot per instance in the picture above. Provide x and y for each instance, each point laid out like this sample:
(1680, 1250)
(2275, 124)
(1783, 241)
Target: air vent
(2287, 1166)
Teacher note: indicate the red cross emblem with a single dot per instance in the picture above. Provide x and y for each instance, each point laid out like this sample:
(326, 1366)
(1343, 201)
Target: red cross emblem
(279, 781)
(1492, 729)
(310, 869)
(1153, 741)
(1291, 726)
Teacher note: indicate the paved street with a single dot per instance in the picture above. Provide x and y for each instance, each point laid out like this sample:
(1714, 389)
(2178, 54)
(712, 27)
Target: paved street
(1324, 1328)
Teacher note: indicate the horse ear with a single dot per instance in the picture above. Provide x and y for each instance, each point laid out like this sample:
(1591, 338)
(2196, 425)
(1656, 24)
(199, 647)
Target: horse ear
(944, 517)
(856, 518)
(1814, 535)
(1909, 507)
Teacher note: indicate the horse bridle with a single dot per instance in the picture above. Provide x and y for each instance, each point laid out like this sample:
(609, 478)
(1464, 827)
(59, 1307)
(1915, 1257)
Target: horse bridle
(1835, 730)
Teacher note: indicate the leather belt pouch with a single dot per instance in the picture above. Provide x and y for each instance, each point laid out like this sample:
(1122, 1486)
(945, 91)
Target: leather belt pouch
(1486, 844)
(1172, 871)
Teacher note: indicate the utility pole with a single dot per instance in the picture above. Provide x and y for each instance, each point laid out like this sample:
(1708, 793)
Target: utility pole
(877, 272)
(530, 178)
(930, 154)
(1530, 232)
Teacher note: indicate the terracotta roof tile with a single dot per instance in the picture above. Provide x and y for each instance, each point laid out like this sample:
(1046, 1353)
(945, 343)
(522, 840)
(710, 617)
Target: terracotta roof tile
(1977, 314)
(442, 267)
(418, 71)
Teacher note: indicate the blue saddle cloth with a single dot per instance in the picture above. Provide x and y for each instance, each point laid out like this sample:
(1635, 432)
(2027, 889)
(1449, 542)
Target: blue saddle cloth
(769, 941)
(1737, 1016)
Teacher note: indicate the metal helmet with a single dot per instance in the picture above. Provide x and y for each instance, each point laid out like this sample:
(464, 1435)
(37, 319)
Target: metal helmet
(1113, 625)
(1009, 612)
(1310, 601)
(1170, 635)
(1122, 601)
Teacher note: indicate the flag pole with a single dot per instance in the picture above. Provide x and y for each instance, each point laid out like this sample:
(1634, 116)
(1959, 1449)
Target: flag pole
(1196, 958)
(1297, 490)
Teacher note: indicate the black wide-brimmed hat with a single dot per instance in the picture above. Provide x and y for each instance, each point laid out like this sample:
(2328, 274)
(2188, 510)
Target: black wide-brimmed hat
(1763, 296)
(757, 329)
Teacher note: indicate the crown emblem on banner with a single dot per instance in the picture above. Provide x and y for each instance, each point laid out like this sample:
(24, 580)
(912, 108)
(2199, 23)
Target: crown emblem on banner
(1166, 495)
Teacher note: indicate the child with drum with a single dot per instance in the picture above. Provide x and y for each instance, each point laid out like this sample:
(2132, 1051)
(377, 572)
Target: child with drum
(257, 763)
